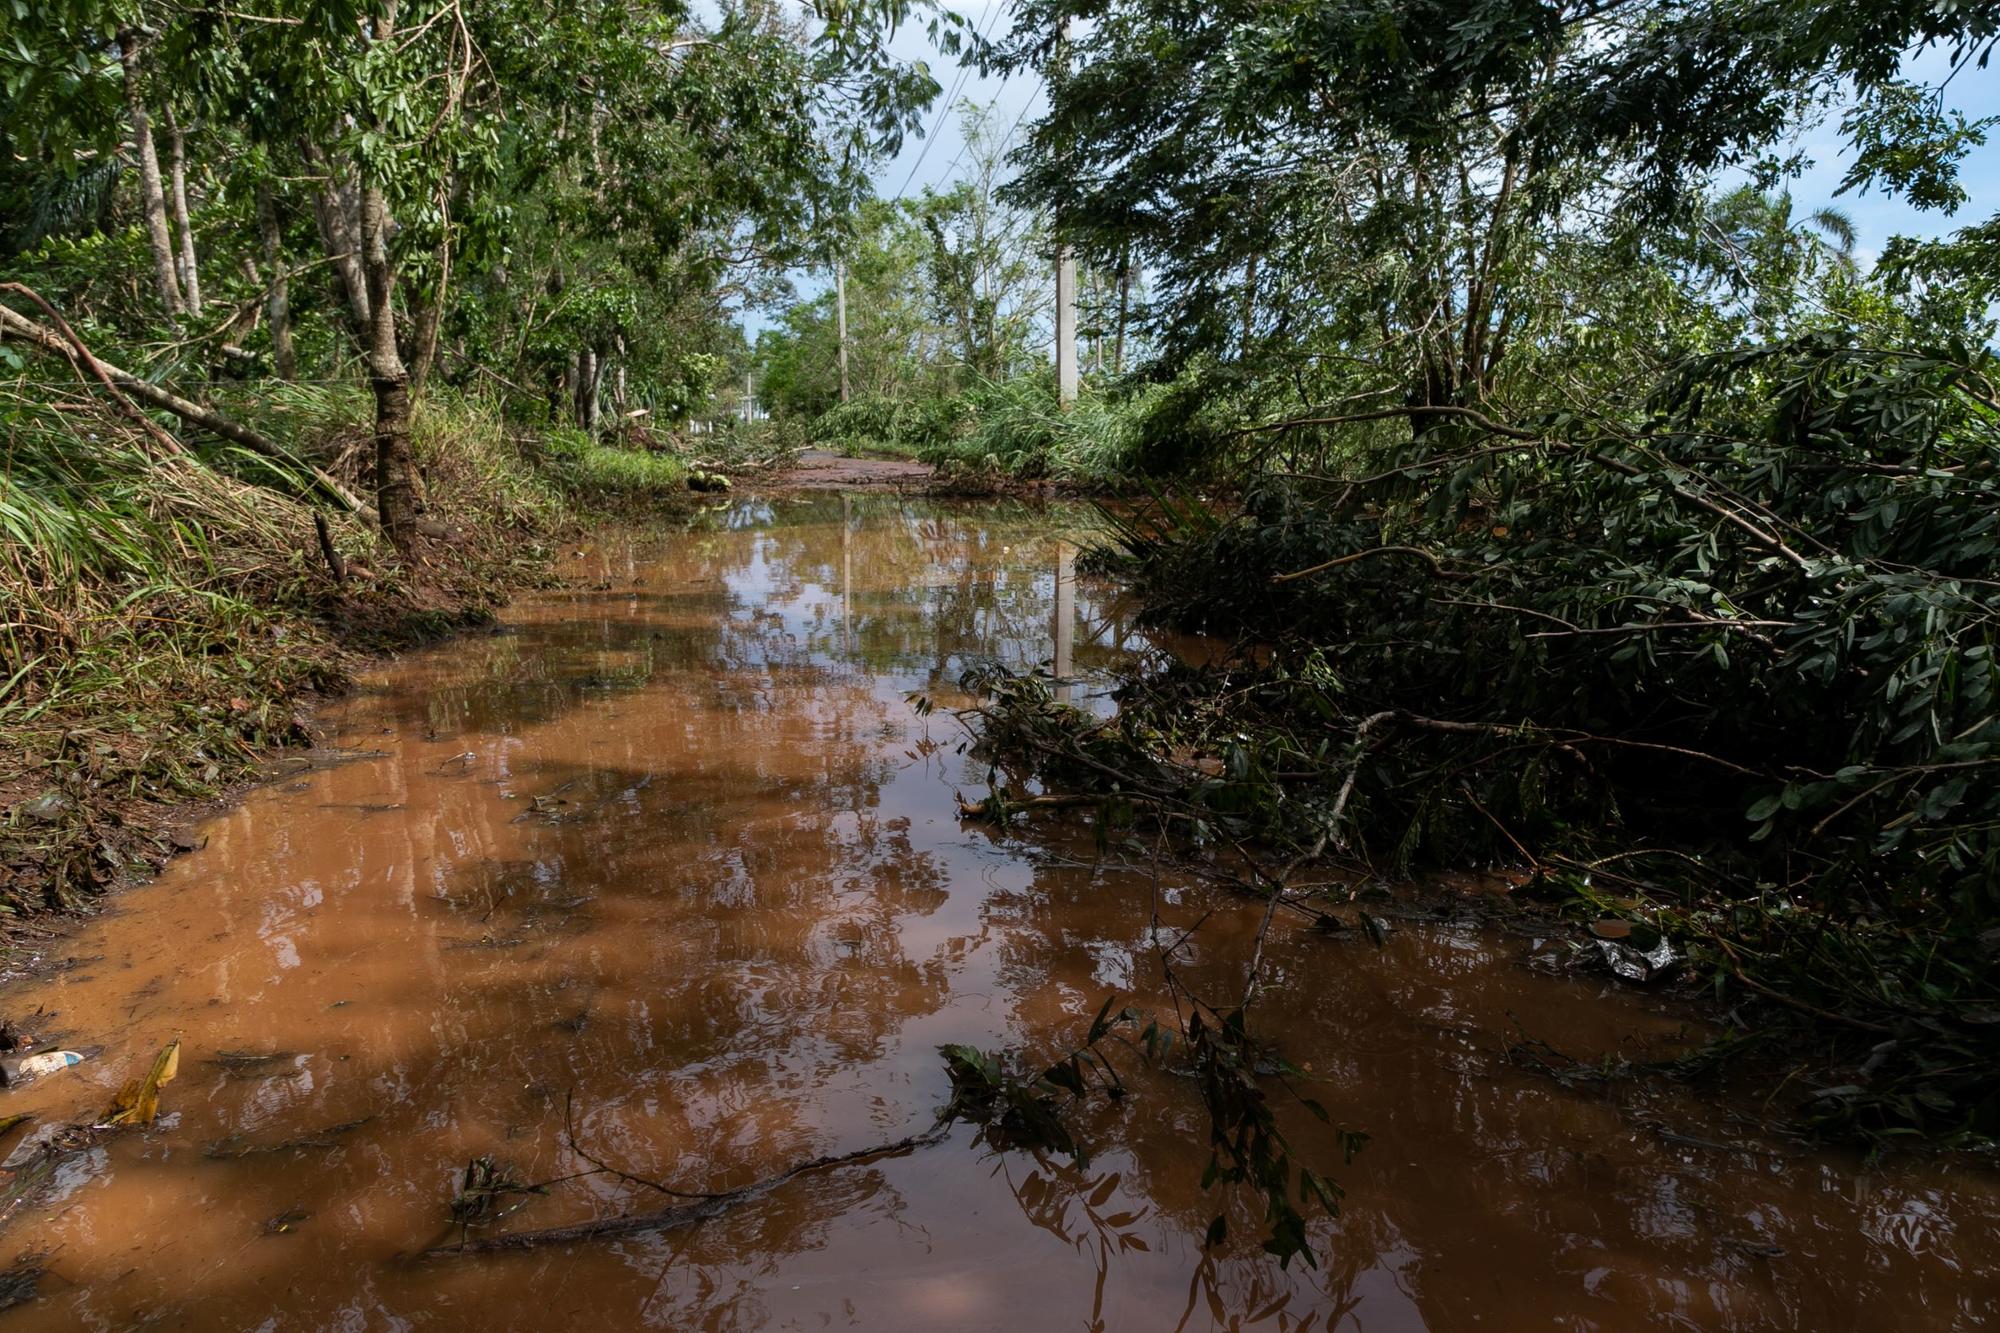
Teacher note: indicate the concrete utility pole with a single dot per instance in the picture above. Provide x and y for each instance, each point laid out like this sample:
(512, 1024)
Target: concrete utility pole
(1065, 325)
(749, 400)
(1065, 274)
(841, 323)
(840, 319)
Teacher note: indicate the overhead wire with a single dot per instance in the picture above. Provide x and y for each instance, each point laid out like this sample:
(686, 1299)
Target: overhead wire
(951, 99)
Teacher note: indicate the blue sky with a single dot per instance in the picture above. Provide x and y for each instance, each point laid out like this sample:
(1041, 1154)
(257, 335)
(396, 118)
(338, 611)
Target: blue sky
(1976, 93)
(1877, 217)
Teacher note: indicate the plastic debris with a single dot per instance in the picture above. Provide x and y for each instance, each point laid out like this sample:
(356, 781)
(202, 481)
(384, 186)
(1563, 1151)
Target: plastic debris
(30, 1067)
(1643, 955)
(44, 809)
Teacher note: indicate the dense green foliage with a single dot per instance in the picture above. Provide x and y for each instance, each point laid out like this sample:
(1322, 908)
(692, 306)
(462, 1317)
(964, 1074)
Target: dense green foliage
(1600, 511)
(476, 264)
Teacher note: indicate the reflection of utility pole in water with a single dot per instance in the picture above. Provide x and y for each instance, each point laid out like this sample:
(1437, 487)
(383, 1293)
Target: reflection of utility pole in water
(1065, 618)
(847, 572)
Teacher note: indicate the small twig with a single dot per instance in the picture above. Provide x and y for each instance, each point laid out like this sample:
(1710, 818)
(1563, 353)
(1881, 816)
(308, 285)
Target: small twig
(327, 550)
(1437, 565)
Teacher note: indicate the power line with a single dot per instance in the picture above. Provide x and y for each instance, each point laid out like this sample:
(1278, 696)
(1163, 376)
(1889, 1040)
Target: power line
(950, 100)
(1033, 93)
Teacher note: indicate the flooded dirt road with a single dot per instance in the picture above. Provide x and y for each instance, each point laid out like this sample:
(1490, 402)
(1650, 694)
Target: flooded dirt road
(674, 849)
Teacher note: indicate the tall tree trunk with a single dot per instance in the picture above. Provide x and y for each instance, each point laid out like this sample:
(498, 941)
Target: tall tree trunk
(183, 226)
(589, 374)
(151, 200)
(1124, 304)
(840, 320)
(423, 342)
(278, 301)
(336, 208)
(619, 403)
(395, 472)
(424, 337)
(1249, 304)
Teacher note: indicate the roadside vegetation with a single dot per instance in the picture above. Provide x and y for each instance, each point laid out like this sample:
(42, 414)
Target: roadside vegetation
(1579, 504)
(1583, 506)
(319, 325)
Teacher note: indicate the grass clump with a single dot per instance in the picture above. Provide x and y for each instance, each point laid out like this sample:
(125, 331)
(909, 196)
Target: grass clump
(610, 475)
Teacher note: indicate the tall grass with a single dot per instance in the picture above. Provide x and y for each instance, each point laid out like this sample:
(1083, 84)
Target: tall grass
(162, 611)
(607, 474)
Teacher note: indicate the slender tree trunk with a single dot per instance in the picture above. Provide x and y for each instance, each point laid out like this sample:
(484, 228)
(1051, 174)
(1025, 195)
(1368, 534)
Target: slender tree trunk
(152, 201)
(336, 210)
(1124, 305)
(586, 378)
(395, 471)
(190, 275)
(1249, 303)
(423, 342)
(840, 320)
(589, 381)
(278, 301)
(619, 404)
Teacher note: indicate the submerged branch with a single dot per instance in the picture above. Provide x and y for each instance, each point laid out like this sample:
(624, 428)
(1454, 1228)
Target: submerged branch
(686, 1214)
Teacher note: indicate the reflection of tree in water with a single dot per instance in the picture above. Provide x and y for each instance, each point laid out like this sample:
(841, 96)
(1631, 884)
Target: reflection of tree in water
(1488, 1188)
(699, 752)
(844, 588)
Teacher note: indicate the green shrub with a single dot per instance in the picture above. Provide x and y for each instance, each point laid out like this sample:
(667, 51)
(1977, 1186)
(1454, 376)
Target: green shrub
(1735, 649)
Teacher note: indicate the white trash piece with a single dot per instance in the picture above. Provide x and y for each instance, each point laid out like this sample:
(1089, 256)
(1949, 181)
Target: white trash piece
(34, 1066)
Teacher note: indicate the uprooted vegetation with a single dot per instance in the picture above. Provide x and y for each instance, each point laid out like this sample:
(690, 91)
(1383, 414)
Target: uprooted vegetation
(1722, 661)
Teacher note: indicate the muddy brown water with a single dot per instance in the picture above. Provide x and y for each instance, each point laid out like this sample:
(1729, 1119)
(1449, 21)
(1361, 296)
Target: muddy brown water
(675, 849)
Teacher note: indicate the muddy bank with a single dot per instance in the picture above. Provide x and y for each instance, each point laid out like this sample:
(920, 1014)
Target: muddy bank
(826, 470)
(670, 871)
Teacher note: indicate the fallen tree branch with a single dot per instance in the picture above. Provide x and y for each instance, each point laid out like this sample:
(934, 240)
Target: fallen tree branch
(80, 355)
(685, 1214)
(1437, 565)
(1477, 418)
(19, 327)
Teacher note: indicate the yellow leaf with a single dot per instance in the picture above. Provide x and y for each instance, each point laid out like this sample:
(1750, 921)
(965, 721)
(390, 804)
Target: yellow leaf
(138, 1102)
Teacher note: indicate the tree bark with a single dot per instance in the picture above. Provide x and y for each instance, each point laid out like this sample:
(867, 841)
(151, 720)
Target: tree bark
(335, 208)
(589, 375)
(423, 342)
(277, 301)
(395, 469)
(840, 320)
(152, 201)
(619, 401)
(190, 275)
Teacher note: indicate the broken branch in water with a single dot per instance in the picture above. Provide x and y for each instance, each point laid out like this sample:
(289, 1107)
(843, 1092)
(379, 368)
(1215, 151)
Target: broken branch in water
(686, 1214)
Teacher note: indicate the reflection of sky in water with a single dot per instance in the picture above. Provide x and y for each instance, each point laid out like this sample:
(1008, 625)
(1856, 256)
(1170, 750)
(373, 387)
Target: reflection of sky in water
(674, 854)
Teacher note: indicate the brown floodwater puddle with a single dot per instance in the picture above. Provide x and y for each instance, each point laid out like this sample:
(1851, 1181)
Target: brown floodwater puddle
(673, 850)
